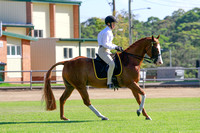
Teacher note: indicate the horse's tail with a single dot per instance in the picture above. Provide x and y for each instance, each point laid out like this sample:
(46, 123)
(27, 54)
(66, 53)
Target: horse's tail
(48, 94)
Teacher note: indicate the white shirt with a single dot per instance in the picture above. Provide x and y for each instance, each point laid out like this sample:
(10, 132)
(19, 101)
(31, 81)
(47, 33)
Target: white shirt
(105, 38)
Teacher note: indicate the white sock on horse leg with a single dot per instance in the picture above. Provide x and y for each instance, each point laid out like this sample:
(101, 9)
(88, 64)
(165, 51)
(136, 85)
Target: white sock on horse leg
(142, 103)
(96, 111)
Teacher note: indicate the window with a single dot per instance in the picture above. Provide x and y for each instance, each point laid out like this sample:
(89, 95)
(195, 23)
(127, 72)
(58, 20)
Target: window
(91, 52)
(13, 50)
(8, 50)
(18, 50)
(68, 53)
(38, 33)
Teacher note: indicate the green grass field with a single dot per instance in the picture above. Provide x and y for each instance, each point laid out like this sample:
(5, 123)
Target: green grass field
(25, 85)
(168, 114)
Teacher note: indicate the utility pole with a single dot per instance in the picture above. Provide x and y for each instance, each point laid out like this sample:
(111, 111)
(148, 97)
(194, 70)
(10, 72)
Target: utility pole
(114, 11)
(112, 5)
(170, 58)
(1, 28)
(130, 25)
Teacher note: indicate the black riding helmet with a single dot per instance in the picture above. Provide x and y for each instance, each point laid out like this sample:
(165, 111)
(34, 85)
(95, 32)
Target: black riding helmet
(110, 19)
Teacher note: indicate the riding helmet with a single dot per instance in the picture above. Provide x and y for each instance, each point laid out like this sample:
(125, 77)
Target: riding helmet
(110, 19)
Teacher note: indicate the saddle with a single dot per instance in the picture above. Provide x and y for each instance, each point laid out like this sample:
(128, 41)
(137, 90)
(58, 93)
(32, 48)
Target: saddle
(101, 68)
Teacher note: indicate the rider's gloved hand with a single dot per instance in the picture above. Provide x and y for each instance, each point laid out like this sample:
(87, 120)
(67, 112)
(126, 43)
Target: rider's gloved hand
(118, 48)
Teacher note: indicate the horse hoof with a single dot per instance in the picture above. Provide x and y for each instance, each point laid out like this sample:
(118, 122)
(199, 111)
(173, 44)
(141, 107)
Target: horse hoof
(138, 113)
(65, 119)
(104, 118)
(148, 118)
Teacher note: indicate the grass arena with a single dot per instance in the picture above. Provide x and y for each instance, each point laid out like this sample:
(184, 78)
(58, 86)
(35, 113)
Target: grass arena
(171, 109)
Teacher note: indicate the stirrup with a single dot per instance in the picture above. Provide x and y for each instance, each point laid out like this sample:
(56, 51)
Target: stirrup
(110, 86)
(115, 82)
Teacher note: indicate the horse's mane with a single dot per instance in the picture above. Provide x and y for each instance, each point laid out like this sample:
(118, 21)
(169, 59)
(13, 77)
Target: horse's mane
(137, 42)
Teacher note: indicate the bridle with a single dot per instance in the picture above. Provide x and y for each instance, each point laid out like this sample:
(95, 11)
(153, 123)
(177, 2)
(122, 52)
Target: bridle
(153, 59)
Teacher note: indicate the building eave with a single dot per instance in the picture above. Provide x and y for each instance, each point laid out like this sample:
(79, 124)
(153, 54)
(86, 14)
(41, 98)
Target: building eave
(78, 39)
(19, 36)
(53, 1)
(18, 25)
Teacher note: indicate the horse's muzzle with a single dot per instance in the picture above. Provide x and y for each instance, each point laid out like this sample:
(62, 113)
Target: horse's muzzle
(158, 60)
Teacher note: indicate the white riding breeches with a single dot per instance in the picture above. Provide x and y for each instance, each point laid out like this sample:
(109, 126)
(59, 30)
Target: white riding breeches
(105, 56)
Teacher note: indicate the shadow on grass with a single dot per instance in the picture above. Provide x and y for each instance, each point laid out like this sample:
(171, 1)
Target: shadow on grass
(48, 122)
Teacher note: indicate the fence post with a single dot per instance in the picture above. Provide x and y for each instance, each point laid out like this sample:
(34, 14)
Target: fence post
(199, 75)
(31, 87)
(143, 79)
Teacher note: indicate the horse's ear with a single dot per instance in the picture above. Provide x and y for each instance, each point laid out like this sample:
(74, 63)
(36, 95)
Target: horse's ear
(152, 38)
(158, 37)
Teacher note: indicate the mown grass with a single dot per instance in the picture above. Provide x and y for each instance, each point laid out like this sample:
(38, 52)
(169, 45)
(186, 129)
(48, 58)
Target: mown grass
(168, 114)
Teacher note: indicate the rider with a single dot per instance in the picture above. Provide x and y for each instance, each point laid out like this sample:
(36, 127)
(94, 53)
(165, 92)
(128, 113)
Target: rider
(105, 38)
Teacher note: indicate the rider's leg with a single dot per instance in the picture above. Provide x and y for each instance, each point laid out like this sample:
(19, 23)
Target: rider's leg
(110, 71)
(105, 56)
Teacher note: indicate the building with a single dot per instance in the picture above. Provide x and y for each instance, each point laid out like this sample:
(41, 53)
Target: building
(45, 32)
(47, 52)
(14, 41)
(176, 73)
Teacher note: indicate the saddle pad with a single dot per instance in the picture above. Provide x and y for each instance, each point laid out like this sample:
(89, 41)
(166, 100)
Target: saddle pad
(101, 68)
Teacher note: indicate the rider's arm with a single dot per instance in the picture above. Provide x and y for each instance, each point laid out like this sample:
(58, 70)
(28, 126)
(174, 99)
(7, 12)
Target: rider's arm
(107, 38)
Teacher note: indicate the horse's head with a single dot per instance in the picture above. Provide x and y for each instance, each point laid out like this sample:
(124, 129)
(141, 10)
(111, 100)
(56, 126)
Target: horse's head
(154, 51)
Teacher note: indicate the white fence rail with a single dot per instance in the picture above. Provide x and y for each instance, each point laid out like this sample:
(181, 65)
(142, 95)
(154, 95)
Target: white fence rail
(195, 76)
(31, 77)
(143, 74)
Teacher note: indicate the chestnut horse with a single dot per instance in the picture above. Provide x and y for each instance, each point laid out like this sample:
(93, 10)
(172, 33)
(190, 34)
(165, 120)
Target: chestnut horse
(79, 72)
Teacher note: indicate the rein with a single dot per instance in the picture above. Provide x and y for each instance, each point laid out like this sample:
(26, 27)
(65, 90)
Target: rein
(147, 59)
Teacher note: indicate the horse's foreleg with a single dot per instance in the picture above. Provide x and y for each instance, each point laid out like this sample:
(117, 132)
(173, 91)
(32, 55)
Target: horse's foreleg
(63, 98)
(138, 99)
(135, 88)
(86, 100)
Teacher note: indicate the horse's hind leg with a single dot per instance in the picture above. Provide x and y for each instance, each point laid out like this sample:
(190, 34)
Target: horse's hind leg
(136, 90)
(68, 90)
(84, 94)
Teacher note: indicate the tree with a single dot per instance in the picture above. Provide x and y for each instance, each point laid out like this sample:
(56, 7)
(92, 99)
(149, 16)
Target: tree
(179, 33)
(177, 14)
(92, 27)
(188, 17)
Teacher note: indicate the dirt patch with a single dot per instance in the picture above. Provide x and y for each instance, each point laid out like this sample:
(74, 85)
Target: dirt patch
(36, 95)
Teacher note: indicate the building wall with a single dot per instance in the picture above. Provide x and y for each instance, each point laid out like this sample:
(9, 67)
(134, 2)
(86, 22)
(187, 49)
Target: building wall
(26, 59)
(41, 19)
(60, 45)
(17, 30)
(45, 52)
(3, 50)
(29, 18)
(14, 62)
(86, 45)
(52, 10)
(76, 20)
(13, 12)
(64, 21)
(42, 55)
